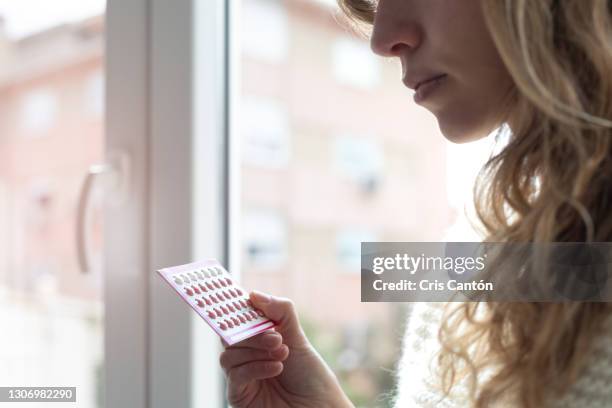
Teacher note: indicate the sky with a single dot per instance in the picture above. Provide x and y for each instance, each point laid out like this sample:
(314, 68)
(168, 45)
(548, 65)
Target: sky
(24, 17)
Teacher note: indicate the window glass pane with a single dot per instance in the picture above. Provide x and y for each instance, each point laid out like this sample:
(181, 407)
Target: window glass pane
(51, 130)
(359, 159)
(265, 130)
(38, 110)
(360, 162)
(265, 30)
(265, 239)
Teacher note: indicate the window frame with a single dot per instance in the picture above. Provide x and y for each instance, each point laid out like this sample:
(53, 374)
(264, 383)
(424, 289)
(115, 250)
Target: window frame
(166, 108)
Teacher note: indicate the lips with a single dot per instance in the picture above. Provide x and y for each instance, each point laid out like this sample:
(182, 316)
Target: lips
(434, 78)
(423, 84)
(415, 81)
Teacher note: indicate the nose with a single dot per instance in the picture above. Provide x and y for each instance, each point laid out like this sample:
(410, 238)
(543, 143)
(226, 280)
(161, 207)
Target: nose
(395, 29)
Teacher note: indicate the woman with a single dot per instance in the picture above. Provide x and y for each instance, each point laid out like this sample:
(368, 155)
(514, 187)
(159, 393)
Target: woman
(543, 70)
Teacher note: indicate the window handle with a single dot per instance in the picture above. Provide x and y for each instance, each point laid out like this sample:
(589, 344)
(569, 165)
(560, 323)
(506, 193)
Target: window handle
(111, 180)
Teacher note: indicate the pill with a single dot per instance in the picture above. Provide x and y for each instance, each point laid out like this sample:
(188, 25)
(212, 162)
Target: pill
(200, 303)
(248, 317)
(217, 285)
(203, 288)
(207, 301)
(227, 295)
(239, 292)
(237, 305)
(222, 282)
(231, 308)
(218, 312)
(211, 314)
(248, 302)
(210, 286)
(242, 320)
(222, 326)
(228, 281)
(224, 310)
(242, 303)
(236, 321)
(206, 274)
(178, 281)
(214, 298)
(253, 314)
(259, 312)
(196, 289)
(189, 291)
(229, 324)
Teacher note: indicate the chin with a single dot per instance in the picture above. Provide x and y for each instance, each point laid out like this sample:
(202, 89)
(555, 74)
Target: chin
(460, 133)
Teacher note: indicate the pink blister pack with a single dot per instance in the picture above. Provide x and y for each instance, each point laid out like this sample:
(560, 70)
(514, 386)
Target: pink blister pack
(213, 293)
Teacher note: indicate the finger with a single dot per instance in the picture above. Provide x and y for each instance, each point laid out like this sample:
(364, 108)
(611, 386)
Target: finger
(283, 312)
(255, 370)
(231, 358)
(268, 340)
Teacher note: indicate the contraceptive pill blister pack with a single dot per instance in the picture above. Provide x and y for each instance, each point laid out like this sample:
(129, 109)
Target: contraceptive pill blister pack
(212, 292)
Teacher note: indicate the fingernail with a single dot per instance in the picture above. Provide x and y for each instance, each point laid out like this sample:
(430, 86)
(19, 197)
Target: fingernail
(261, 297)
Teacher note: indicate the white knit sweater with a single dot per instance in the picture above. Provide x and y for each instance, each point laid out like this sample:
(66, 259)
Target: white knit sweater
(416, 389)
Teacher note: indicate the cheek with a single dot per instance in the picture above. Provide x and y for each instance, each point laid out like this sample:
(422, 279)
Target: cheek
(475, 100)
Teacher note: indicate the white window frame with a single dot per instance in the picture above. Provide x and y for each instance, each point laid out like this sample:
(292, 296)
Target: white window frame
(166, 107)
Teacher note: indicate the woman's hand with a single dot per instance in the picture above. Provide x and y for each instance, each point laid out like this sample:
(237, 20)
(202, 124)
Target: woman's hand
(279, 368)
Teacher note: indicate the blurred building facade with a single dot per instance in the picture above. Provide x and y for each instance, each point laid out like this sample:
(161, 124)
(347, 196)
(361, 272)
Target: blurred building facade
(334, 152)
(51, 130)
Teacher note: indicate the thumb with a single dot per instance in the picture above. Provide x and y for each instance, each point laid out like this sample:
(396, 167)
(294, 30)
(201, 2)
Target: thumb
(282, 312)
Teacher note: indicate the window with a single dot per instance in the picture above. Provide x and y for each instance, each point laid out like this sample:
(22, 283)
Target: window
(264, 239)
(265, 128)
(360, 159)
(38, 110)
(348, 247)
(94, 94)
(265, 30)
(354, 64)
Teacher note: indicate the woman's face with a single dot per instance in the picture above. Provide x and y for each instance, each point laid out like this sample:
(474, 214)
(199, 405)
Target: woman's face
(449, 58)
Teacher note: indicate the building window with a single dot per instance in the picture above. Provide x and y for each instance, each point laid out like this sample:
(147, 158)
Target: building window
(264, 239)
(348, 247)
(265, 130)
(353, 63)
(94, 94)
(360, 159)
(266, 30)
(38, 110)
